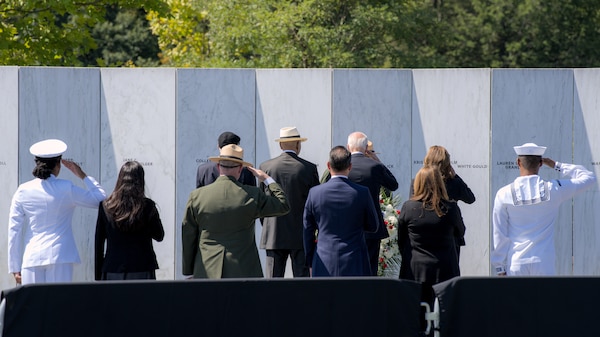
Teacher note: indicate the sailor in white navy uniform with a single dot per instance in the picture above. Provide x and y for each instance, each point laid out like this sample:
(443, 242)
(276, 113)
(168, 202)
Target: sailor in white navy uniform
(41, 246)
(525, 213)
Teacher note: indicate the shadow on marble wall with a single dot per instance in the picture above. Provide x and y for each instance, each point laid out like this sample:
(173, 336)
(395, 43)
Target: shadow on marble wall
(403, 111)
(108, 168)
(450, 108)
(293, 97)
(534, 105)
(9, 159)
(208, 102)
(586, 119)
(63, 103)
(378, 103)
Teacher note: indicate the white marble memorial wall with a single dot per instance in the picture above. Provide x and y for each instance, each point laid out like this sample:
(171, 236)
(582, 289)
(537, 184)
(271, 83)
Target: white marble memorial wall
(451, 108)
(9, 159)
(534, 105)
(138, 123)
(293, 97)
(169, 120)
(378, 103)
(64, 103)
(209, 102)
(586, 206)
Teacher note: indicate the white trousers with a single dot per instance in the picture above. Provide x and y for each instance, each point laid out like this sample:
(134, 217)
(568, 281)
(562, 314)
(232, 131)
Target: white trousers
(52, 273)
(532, 269)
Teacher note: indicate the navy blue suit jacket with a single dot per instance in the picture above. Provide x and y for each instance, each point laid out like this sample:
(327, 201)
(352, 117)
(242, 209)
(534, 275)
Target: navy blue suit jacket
(367, 172)
(342, 212)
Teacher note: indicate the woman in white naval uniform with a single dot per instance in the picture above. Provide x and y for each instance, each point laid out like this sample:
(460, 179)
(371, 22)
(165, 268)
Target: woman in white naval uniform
(41, 246)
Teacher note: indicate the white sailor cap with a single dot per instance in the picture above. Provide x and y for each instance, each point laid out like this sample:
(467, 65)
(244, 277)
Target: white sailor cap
(530, 149)
(48, 148)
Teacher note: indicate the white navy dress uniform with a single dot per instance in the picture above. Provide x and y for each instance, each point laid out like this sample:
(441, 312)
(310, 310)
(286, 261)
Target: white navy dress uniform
(525, 213)
(40, 236)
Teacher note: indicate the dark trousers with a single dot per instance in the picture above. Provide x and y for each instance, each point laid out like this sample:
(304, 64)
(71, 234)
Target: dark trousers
(143, 275)
(373, 245)
(277, 259)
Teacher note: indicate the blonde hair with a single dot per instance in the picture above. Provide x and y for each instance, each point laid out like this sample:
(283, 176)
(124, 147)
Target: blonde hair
(439, 157)
(430, 189)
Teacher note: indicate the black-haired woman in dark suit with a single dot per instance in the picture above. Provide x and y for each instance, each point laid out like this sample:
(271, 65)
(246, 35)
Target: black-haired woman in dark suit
(127, 222)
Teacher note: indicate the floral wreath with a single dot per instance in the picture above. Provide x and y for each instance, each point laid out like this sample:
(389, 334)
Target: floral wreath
(389, 251)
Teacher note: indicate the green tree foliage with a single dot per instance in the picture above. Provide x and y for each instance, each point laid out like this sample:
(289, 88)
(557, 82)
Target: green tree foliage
(521, 33)
(275, 33)
(382, 33)
(181, 34)
(124, 39)
(302, 33)
(56, 32)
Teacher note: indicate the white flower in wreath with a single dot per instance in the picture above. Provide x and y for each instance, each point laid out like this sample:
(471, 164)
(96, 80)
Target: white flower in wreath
(389, 257)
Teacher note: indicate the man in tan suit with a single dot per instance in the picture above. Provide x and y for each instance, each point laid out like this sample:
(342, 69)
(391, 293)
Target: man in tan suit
(218, 224)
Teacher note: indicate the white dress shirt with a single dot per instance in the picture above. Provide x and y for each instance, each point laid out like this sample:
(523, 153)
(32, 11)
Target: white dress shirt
(39, 229)
(525, 213)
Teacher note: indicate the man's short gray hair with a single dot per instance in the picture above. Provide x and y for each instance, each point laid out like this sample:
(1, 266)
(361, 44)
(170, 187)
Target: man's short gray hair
(358, 141)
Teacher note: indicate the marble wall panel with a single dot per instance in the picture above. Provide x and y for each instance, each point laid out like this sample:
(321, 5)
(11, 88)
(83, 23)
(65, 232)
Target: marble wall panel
(138, 123)
(9, 159)
(586, 206)
(378, 103)
(534, 105)
(169, 120)
(209, 102)
(293, 97)
(64, 103)
(451, 108)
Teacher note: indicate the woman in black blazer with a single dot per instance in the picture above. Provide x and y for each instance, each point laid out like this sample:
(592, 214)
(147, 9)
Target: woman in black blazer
(427, 225)
(456, 188)
(127, 222)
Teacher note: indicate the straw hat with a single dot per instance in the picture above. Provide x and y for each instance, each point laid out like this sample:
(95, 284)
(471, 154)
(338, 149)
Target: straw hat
(290, 134)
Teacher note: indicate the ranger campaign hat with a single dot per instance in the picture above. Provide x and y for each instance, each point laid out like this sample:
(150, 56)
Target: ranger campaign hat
(233, 153)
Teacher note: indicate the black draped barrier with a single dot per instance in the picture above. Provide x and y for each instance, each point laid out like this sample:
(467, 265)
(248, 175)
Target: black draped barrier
(275, 307)
(519, 306)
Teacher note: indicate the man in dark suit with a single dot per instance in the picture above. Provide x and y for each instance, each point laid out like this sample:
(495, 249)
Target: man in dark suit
(208, 172)
(282, 235)
(339, 212)
(218, 224)
(370, 173)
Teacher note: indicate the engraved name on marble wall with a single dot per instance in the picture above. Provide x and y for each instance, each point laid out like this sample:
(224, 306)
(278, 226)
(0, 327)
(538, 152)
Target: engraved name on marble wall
(507, 165)
(142, 162)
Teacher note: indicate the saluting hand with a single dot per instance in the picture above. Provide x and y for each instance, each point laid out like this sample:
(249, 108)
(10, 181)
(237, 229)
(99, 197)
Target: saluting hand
(73, 167)
(371, 154)
(261, 175)
(549, 162)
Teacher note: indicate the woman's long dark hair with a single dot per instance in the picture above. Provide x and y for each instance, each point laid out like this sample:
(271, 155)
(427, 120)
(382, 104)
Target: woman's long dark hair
(126, 203)
(45, 166)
